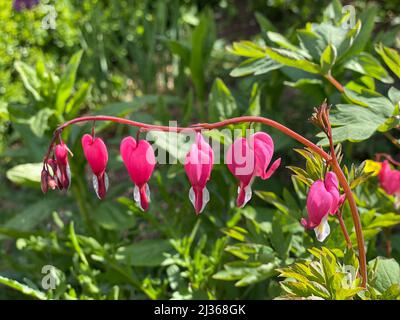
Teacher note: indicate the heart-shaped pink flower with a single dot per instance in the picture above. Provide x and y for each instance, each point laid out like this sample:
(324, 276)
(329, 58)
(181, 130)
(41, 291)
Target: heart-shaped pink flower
(250, 158)
(323, 199)
(139, 160)
(96, 154)
(198, 165)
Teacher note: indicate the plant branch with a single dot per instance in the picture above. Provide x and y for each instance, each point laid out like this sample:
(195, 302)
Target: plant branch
(344, 229)
(334, 82)
(330, 159)
(392, 139)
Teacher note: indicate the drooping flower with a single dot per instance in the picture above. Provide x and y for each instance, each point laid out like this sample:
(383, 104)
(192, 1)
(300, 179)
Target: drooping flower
(198, 165)
(61, 165)
(250, 158)
(96, 154)
(389, 179)
(52, 179)
(139, 160)
(323, 199)
(19, 5)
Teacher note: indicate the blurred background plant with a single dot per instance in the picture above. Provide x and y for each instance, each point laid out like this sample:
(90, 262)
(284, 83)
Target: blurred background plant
(192, 61)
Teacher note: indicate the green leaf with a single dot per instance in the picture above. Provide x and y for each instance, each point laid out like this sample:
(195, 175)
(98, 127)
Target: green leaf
(39, 122)
(384, 221)
(235, 233)
(264, 23)
(391, 58)
(29, 78)
(313, 43)
(146, 253)
(366, 64)
(22, 288)
(394, 95)
(386, 273)
(32, 215)
(181, 50)
(112, 216)
(246, 273)
(67, 81)
(281, 41)
(367, 18)
(255, 66)
(222, 104)
(392, 293)
(254, 105)
(328, 59)
(27, 174)
(247, 49)
(203, 38)
(292, 59)
(75, 243)
(373, 100)
(333, 11)
(76, 101)
(357, 122)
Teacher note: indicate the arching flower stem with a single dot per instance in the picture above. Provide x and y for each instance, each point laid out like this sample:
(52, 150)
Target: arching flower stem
(330, 159)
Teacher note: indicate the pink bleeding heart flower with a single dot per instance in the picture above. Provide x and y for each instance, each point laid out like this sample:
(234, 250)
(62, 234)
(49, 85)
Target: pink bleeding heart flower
(198, 165)
(63, 172)
(139, 160)
(250, 158)
(389, 179)
(323, 199)
(96, 154)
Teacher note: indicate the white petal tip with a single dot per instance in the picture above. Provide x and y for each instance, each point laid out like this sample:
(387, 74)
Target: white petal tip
(136, 196)
(323, 230)
(96, 184)
(206, 198)
(247, 196)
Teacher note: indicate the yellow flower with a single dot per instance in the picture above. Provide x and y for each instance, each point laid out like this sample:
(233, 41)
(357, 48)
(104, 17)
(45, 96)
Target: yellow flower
(372, 167)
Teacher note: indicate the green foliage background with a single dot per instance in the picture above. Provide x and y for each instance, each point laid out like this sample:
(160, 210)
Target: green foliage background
(195, 61)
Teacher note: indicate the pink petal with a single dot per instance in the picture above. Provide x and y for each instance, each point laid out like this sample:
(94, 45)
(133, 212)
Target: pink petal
(389, 179)
(275, 165)
(319, 202)
(199, 162)
(240, 160)
(95, 153)
(332, 186)
(139, 159)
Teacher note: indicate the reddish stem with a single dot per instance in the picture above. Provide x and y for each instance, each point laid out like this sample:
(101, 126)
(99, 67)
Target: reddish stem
(334, 82)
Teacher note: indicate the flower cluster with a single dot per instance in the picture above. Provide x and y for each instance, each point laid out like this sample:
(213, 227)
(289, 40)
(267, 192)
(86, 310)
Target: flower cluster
(60, 174)
(246, 159)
